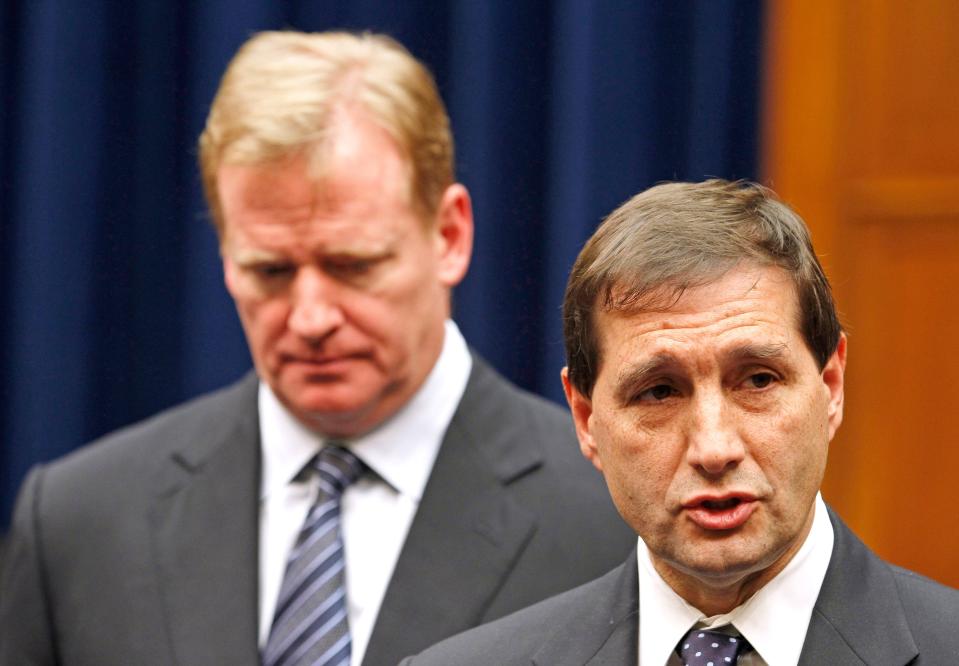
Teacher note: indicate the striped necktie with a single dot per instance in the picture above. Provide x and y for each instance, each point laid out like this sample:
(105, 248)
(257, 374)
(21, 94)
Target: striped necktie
(310, 622)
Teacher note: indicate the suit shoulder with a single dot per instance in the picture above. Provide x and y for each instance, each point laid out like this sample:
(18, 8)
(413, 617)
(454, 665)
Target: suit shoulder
(515, 638)
(156, 436)
(931, 610)
(924, 596)
(500, 394)
(515, 429)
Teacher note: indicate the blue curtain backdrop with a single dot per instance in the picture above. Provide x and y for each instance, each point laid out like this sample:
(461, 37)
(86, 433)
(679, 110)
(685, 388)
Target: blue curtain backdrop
(112, 299)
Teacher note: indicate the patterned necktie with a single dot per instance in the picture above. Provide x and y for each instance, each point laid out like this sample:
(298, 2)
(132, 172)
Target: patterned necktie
(702, 647)
(310, 624)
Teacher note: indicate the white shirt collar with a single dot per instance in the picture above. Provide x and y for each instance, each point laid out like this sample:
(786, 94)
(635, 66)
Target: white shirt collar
(774, 620)
(285, 443)
(401, 450)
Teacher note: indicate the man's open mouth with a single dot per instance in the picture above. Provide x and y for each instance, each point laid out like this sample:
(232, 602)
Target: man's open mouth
(719, 505)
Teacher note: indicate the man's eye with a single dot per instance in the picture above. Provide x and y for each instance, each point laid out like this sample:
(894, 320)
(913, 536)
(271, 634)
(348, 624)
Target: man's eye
(271, 271)
(657, 393)
(352, 267)
(356, 266)
(761, 380)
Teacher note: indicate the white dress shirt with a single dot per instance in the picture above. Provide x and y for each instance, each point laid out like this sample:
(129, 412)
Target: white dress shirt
(378, 509)
(774, 620)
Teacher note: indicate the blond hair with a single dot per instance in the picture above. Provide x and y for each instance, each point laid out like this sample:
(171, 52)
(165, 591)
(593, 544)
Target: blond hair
(278, 96)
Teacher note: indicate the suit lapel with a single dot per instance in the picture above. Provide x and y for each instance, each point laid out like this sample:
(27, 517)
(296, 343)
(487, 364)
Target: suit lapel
(467, 533)
(205, 535)
(606, 637)
(858, 618)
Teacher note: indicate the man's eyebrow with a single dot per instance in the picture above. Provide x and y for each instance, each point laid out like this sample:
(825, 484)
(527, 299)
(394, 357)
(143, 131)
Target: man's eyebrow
(251, 257)
(758, 352)
(632, 376)
(349, 251)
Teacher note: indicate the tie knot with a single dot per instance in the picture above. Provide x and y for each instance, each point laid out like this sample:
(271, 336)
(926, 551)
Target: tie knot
(337, 467)
(703, 647)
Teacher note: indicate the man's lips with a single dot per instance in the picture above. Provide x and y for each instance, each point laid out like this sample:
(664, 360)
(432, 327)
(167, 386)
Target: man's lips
(326, 363)
(720, 512)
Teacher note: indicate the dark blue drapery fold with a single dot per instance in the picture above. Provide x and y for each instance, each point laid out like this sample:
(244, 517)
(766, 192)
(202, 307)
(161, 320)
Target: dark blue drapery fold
(112, 295)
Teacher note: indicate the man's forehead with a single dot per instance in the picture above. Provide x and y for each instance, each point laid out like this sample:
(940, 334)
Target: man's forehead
(250, 251)
(757, 296)
(291, 190)
(296, 183)
(683, 295)
(264, 217)
(351, 153)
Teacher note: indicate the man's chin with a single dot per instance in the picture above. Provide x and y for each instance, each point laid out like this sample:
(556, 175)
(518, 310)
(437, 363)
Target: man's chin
(321, 399)
(326, 416)
(345, 406)
(731, 558)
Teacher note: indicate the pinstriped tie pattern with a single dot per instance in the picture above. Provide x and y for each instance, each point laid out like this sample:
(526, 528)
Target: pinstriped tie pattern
(310, 624)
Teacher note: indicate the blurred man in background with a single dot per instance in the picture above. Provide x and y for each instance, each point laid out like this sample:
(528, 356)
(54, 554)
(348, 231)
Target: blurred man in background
(374, 487)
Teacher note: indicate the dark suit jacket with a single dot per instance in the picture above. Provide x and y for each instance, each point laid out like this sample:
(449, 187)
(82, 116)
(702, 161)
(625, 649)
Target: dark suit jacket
(142, 548)
(868, 612)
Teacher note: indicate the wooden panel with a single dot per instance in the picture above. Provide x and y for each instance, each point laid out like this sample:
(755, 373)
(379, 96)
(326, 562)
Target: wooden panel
(901, 77)
(862, 137)
(802, 114)
(892, 472)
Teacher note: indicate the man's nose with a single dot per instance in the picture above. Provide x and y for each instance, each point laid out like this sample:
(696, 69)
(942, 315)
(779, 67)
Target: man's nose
(713, 440)
(315, 311)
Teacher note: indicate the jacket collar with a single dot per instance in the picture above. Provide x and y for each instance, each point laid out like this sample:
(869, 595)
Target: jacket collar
(205, 531)
(467, 534)
(858, 617)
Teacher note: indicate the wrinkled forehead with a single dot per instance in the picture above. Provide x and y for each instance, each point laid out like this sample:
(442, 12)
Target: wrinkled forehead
(766, 293)
(659, 288)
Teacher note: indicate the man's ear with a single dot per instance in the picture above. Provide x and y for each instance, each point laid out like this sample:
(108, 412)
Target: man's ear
(454, 234)
(833, 377)
(582, 409)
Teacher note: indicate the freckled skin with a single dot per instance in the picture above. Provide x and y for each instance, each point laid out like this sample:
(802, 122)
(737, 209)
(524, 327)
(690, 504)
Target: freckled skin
(341, 286)
(717, 394)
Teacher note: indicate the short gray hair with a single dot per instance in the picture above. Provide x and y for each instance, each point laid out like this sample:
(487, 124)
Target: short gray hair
(682, 235)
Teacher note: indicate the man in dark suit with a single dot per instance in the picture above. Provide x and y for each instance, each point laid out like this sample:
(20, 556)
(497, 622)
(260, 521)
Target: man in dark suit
(372, 455)
(705, 375)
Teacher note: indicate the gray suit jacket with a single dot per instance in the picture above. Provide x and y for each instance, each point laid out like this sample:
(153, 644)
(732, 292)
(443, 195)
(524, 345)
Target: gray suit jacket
(142, 548)
(868, 612)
